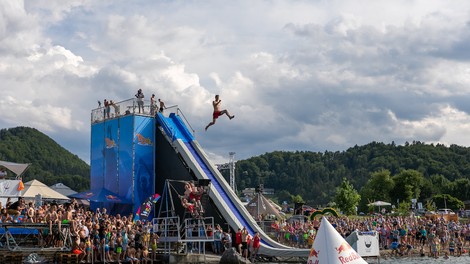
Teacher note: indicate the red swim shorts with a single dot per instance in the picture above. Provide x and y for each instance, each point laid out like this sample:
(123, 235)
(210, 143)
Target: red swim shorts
(216, 114)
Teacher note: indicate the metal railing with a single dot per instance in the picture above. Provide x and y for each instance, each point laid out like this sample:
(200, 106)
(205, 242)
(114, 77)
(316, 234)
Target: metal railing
(185, 120)
(126, 107)
(194, 233)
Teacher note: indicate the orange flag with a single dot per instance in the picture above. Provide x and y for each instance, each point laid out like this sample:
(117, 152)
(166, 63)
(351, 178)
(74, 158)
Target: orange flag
(20, 185)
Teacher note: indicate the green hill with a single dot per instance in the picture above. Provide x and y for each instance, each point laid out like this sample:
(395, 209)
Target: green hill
(50, 163)
(315, 175)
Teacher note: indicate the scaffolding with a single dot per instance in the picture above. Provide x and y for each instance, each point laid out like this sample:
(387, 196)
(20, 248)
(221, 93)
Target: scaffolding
(35, 237)
(180, 236)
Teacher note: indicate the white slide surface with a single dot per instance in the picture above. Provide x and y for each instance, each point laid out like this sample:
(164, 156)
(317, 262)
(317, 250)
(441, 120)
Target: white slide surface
(227, 201)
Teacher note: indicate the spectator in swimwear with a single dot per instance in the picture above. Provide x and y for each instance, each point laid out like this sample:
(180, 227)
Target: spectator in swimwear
(116, 107)
(162, 105)
(107, 108)
(140, 100)
(15, 208)
(153, 104)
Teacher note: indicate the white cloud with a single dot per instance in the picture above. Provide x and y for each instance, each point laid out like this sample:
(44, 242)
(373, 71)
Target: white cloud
(309, 75)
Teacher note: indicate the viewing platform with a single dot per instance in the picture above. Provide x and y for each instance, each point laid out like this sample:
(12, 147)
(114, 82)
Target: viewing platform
(122, 108)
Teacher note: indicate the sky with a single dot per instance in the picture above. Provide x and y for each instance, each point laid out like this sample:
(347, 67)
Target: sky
(298, 75)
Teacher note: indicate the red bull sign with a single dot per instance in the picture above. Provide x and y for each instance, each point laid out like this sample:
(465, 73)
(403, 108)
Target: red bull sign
(347, 254)
(329, 247)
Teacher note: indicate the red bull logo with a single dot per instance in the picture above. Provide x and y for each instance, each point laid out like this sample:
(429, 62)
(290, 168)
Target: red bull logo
(344, 247)
(313, 253)
(110, 143)
(351, 255)
(141, 140)
(112, 197)
(349, 258)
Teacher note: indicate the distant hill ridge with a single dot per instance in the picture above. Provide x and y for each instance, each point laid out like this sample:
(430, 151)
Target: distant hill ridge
(50, 163)
(315, 175)
(312, 175)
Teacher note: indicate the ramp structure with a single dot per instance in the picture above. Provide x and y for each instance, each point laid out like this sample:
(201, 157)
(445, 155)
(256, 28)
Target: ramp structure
(177, 132)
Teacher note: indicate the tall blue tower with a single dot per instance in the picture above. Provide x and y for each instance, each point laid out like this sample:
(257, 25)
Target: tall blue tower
(123, 155)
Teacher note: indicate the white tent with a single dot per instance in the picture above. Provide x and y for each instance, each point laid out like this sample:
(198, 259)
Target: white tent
(35, 187)
(9, 189)
(17, 168)
(62, 189)
(379, 204)
(262, 205)
(330, 247)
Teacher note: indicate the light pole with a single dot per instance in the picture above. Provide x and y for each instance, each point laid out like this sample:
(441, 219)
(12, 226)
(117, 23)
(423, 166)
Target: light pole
(231, 167)
(232, 171)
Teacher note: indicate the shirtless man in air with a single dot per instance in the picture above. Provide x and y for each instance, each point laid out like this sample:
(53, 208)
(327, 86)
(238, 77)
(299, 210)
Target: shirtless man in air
(217, 111)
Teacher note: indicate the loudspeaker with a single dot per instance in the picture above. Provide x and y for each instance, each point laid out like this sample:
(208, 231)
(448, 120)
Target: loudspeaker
(204, 182)
(298, 208)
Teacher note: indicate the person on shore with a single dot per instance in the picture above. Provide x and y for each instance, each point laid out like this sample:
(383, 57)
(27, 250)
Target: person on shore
(227, 240)
(238, 241)
(245, 236)
(15, 209)
(256, 246)
(218, 112)
(218, 240)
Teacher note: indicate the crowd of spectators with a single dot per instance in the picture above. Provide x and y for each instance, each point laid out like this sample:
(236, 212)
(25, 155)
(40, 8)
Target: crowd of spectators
(96, 235)
(99, 236)
(400, 235)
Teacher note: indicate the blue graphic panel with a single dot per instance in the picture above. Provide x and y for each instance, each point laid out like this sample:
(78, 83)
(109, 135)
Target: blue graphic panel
(126, 141)
(110, 154)
(96, 156)
(144, 143)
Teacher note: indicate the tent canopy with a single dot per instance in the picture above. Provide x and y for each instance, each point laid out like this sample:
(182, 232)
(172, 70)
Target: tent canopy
(17, 168)
(100, 196)
(379, 203)
(35, 187)
(262, 205)
(62, 189)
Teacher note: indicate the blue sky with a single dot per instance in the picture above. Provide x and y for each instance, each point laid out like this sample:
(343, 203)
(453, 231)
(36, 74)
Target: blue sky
(298, 75)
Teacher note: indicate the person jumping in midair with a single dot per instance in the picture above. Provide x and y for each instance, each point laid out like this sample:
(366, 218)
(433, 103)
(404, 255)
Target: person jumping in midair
(217, 111)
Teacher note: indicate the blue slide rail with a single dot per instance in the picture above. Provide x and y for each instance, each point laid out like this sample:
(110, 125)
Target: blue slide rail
(174, 125)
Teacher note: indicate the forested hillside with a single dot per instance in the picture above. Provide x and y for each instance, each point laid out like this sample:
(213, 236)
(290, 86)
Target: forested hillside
(50, 163)
(376, 170)
(315, 176)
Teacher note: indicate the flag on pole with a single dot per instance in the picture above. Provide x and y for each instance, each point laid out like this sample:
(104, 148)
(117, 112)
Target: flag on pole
(145, 208)
(20, 185)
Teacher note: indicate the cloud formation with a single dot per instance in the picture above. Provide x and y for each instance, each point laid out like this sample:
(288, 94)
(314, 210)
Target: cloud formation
(298, 75)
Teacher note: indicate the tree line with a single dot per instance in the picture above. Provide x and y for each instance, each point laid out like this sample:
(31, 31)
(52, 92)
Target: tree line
(50, 163)
(377, 171)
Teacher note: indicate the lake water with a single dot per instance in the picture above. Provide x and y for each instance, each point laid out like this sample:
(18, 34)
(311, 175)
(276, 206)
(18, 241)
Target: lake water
(423, 260)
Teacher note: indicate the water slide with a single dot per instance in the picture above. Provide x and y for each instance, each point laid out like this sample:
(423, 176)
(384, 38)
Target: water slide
(221, 194)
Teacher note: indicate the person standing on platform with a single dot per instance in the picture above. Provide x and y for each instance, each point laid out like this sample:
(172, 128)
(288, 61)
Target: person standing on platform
(153, 105)
(106, 108)
(162, 105)
(140, 100)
